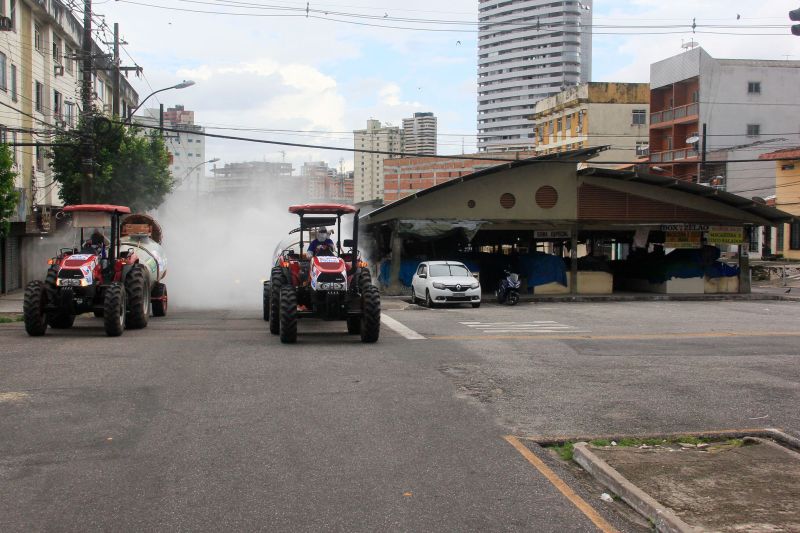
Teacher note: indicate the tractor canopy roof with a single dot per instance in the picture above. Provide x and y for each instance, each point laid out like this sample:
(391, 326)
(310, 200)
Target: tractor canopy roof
(326, 209)
(95, 208)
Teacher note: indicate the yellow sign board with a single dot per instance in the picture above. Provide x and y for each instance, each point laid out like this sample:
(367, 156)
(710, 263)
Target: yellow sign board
(682, 239)
(725, 235)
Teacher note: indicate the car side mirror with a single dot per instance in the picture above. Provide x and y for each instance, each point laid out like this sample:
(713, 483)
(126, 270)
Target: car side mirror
(423, 276)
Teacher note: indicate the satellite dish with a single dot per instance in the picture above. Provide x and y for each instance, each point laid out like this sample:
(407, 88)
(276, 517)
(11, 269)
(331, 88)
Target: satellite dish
(693, 139)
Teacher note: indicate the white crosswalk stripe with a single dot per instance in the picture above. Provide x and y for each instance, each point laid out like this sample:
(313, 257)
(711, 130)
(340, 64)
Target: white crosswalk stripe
(534, 326)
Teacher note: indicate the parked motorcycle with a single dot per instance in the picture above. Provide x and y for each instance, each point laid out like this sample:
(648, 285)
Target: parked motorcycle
(508, 292)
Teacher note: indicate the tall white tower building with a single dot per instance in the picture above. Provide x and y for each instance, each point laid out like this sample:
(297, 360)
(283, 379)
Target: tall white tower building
(419, 134)
(527, 50)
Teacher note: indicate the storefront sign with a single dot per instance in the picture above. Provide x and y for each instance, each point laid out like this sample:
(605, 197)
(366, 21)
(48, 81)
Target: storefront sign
(553, 234)
(725, 235)
(684, 227)
(682, 239)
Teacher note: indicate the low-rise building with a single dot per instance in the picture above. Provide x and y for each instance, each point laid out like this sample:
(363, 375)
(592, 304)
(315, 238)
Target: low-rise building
(787, 198)
(595, 114)
(409, 175)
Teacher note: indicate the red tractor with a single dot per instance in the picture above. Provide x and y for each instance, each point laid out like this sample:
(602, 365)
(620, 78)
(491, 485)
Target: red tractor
(98, 276)
(331, 283)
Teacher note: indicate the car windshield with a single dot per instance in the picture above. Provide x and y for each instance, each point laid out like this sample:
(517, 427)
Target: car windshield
(440, 271)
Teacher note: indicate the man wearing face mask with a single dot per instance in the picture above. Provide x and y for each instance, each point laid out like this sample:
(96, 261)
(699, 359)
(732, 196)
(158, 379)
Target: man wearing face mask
(321, 240)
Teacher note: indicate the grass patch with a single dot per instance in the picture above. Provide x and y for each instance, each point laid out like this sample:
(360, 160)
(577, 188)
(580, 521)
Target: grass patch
(565, 451)
(10, 319)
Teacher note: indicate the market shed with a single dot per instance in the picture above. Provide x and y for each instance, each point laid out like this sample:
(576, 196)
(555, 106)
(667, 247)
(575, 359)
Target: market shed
(573, 231)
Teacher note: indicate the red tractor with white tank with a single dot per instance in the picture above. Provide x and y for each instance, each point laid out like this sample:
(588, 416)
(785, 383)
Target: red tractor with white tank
(333, 283)
(118, 278)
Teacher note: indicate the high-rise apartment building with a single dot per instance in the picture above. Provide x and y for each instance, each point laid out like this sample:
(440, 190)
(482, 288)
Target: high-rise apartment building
(368, 172)
(187, 148)
(419, 134)
(527, 50)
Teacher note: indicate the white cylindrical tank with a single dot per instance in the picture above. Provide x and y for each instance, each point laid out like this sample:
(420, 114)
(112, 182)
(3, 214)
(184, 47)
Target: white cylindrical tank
(143, 234)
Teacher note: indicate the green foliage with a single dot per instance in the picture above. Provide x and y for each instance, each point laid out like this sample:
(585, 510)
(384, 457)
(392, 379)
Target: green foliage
(565, 451)
(8, 193)
(131, 167)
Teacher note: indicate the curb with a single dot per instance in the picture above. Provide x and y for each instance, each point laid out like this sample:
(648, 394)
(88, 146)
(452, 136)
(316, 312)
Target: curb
(663, 518)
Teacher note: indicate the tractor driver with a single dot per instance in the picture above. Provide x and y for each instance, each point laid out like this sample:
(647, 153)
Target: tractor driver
(322, 244)
(96, 244)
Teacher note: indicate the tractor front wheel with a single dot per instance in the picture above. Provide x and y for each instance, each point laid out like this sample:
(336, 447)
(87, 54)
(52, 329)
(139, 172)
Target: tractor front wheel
(138, 295)
(114, 310)
(33, 307)
(275, 284)
(288, 318)
(371, 314)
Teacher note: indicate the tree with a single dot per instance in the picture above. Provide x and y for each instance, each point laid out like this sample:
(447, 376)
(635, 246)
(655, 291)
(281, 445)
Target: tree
(131, 166)
(8, 193)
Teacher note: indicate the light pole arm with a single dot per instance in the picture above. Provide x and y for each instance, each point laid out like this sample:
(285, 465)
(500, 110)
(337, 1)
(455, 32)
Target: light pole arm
(181, 85)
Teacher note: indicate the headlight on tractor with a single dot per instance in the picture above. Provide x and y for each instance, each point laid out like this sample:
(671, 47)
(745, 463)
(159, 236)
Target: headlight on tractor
(437, 285)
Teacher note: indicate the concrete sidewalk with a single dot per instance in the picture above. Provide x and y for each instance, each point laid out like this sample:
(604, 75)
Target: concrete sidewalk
(12, 301)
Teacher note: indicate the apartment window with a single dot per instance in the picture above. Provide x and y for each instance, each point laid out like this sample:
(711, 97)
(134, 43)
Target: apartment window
(57, 103)
(57, 50)
(794, 236)
(37, 37)
(753, 130)
(639, 117)
(558, 126)
(642, 148)
(12, 13)
(69, 113)
(3, 70)
(695, 96)
(39, 159)
(569, 123)
(779, 236)
(754, 87)
(38, 96)
(68, 59)
(550, 127)
(3, 135)
(13, 83)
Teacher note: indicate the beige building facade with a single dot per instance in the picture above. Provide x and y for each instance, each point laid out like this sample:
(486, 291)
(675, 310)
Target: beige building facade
(595, 114)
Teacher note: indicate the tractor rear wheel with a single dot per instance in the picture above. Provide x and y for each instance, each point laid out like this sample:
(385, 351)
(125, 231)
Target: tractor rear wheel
(60, 320)
(160, 300)
(138, 293)
(371, 314)
(265, 298)
(276, 281)
(354, 325)
(288, 319)
(114, 310)
(33, 306)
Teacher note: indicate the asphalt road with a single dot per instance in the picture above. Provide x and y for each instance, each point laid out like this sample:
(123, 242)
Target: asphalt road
(205, 422)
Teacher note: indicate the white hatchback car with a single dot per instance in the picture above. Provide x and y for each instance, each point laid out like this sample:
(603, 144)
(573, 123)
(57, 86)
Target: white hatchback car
(445, 282)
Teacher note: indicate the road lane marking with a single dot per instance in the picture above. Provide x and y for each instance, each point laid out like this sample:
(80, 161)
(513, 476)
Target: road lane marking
(650, 336)
(535, 326)
(562, 487)
(400, 329)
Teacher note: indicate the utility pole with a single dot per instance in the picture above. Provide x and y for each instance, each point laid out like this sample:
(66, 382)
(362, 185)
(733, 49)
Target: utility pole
(87, 140)
(116, 98)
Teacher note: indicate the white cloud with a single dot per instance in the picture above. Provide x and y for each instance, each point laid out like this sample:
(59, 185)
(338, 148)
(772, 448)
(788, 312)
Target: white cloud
(390, 95)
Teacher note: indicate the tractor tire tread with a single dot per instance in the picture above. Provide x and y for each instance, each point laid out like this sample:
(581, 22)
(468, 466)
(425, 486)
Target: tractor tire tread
(276, 281)
(138, 308)
(371, 315)
(288, 317)
(113, 310)
(33, 309)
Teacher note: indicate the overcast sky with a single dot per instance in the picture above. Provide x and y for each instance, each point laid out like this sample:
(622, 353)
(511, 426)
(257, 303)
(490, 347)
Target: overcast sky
(297, 73)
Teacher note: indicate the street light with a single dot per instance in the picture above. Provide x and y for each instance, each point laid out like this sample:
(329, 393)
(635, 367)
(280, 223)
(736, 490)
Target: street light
(189, 172)
(182, 85)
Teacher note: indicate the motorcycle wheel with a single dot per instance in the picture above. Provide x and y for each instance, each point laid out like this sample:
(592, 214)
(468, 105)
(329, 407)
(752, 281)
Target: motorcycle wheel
(513, 298)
